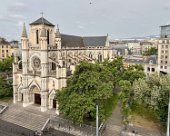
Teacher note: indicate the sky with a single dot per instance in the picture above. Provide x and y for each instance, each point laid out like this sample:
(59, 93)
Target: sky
(118, 18)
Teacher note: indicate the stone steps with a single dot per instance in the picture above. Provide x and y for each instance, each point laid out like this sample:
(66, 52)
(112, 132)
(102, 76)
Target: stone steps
(25, 117)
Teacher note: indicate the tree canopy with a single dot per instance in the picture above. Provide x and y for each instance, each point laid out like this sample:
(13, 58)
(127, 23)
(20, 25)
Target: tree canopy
(153, 93)
(151, 51)
(92, 83)
(6, 65)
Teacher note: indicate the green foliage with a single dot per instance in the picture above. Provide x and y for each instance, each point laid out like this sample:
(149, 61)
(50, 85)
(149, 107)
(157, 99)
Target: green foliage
(153, 94)
(151, 51)
(89, 83)
(6, 65)
(136, 67)
(92, 82)
(125, 96)
(5, 88)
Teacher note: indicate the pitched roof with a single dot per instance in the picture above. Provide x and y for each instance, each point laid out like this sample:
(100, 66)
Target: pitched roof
(71, 41)
(78, 41)
(151, 59)
(40, 21)
(95, 41)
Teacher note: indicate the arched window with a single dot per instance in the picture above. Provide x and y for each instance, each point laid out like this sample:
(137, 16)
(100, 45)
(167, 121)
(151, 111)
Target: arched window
(53, 66)
(48, 37)
(100, 58)
(90, 55)
(20, 65)
(64, 64)
(37, 37)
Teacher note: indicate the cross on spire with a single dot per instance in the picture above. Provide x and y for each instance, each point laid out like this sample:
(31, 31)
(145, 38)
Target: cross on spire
(42, 13)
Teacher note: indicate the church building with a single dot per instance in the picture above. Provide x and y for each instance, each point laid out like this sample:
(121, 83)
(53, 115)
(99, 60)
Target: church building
(48, 59)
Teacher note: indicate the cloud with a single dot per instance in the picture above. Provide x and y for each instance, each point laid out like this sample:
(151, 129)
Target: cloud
(81, 27)
(17, 7)
(166, 7)
(11, 18)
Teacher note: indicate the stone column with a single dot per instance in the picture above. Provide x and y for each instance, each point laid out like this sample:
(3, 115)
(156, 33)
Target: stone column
(25, 98)
(19, 96)
(15, 95)
(44, 101)
(57, 110)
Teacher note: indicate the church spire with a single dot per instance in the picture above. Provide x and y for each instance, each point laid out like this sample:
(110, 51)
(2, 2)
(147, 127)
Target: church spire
(24, 31)
(57, 35)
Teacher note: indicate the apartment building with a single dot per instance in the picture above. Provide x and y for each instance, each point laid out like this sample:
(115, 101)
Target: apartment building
(164, 50)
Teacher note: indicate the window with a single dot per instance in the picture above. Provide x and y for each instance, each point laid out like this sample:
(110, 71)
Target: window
(37, 36)
(153, 69)
(166, 46)
(161, 67)
(166, 51)
(100, 58)
(162, 46)
(165, 67)
(166, 56)
(6, 51)
(48, 37)
(161, 61)
(166, 62)
(162, 56)
(53, 66)
(2, 46)
(151, 62)
(162, 51)
(2, 51)
(148, 69)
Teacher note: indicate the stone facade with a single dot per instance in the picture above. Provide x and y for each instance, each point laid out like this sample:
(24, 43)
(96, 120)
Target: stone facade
(48, 58)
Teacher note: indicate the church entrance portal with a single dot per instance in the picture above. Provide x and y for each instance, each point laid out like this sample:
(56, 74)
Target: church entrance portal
(35, 96)
(37, 99)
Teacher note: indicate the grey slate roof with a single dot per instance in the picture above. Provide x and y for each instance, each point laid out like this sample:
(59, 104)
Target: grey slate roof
(78, 41)
(95, 41)
(71, 41)
(152, 58)
(42, 21)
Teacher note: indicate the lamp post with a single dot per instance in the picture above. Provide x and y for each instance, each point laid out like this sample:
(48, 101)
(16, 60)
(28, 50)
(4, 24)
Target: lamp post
(167, 133)
(97, 120)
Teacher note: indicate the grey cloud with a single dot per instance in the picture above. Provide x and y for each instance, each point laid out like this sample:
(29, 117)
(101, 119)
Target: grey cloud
(17, 7)
(11, 18)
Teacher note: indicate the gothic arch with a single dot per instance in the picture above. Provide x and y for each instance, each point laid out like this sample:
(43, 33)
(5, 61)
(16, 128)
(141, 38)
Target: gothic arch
(100, 58)
(52, 101)
(34, 84)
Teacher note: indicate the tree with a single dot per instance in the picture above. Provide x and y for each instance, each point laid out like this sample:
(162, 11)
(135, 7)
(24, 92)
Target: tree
(125, 96)
(5, 88)
(89, 83)
(133, 73)
(153, 94)
(151, 51)
(6, 65)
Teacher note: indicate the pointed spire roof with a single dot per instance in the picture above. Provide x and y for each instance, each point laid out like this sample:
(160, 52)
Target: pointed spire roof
(43, 32)
(42, 20)
(24, 31)
(57, 34)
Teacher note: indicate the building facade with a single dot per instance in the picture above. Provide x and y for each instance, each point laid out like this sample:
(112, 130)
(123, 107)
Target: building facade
(48, 58)
(7, 48)
(164, 50)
